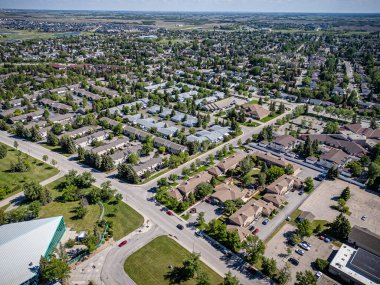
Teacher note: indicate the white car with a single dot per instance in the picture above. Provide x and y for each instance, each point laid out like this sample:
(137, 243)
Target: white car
(318, 275)
(304, 246)
(299, 251)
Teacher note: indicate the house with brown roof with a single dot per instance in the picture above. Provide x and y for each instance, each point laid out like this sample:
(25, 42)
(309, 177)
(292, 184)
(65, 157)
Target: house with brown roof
(268, 207)
(255, 111)
(231, 162)
(284, 184)
(242, 231)
(284, 143)
(215, 171)
(224, 192)
(174, 193)
(360, 130)
(335, 157)
(364, 238)
(187, 187)
(275, 199)
(250, 211)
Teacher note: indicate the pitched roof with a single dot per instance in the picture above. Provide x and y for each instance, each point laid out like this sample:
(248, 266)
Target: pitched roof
(187, 187)
(226, 192)
(231, 161)
(21, 247)
(335, 155)
(285, 140)
(257, 110)
(249, 210)
(366, 239)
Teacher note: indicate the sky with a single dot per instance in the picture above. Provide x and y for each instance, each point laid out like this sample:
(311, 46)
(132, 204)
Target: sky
(311, 6)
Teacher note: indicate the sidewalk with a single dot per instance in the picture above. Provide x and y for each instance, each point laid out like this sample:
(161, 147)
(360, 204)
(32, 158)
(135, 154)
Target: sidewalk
(18, 198)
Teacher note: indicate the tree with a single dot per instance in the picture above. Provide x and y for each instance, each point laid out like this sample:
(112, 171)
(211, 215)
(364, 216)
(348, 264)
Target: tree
(305, 278)
(274, 172)
(289, 169)
(80, 212)
(53, 269)
(203, 278)
(45, 158)
(125, 171)
(230, 279)
(15, 144)
(321, 264)
(201, 219)
(284, 274)
(52, 139)
(202, 190)
(305, 228)
(331, 128)
(118, 198)
(254, 247)
(309, 184)
(53, 162)
(84, 180)
(346, 194)
(333, 173)
(3, 151)
(340, 227)
(133, 158)
(191, 265)
(269, 266)
(33, 191)
(229, 207)
(356, 168)
(107, 162)
(296, 238)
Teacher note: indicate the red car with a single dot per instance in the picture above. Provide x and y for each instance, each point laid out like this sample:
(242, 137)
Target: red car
(170, 213)
(124, 242)
(256, 231)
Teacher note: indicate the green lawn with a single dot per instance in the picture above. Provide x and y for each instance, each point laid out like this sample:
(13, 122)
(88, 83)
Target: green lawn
(150, 264)
(125, 219)
(271, 117)
(56, 149)
(39, 171)
(253, 102)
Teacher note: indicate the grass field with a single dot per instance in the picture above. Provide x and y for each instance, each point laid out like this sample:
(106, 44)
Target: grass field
(150, 264)
(271, 117)
(124, 218)
(24, 35)
(39, 171)
(56, 149)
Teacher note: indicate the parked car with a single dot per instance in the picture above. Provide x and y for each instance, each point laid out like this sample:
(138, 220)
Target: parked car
(256, 231)
(327, 239)
(124, 242)
(251, 228)
(293, 261)
(304, 246)
(179, 226)
(170, 213)
(320, 177)
(266, 221)
(299, 251)
(308, 244)
(364, 218)
(300, 193)
(198, 233)
(318, 275)
(288, 218)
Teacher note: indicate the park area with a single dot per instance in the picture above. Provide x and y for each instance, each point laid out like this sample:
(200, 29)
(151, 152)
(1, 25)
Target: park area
(11, 182)
(123, 217)
(150, 264)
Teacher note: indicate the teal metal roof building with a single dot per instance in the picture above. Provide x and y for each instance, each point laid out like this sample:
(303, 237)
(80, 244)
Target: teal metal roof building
(22, 245)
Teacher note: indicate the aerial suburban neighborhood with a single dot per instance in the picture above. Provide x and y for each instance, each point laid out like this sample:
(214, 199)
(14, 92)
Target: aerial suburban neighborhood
(193, 145)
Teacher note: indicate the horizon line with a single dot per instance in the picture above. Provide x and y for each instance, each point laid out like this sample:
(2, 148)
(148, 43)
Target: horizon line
(178, 11)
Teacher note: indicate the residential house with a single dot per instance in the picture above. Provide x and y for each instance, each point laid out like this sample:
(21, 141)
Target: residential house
(255, 111)
(284, 184)
(151, 165)
(334, 157)
(32, 116)
(231, 162)
(170, 146)
(284, 143)
(117, 144)
(79, 132)
(88, 140)
(189, 186)
(306, 215)
(249, 212)
(224, 192)
(275, 199)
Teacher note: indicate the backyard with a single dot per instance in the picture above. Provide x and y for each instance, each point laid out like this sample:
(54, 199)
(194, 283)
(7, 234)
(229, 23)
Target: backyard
(150, 264)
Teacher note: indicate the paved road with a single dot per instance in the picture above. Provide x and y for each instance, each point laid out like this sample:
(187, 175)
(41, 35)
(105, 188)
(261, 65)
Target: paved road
(138, 197)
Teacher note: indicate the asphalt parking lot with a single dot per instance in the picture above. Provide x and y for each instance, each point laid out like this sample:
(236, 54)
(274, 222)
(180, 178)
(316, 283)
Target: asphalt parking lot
(277, 248)
(211, 212)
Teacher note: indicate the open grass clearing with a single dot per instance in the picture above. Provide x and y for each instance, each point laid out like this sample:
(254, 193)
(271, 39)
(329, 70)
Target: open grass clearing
(39, 171)
(150, 264)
